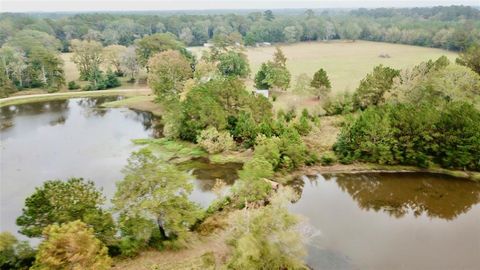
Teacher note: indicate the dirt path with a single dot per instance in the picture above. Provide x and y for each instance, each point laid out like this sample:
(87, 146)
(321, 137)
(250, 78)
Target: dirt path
(188, 258)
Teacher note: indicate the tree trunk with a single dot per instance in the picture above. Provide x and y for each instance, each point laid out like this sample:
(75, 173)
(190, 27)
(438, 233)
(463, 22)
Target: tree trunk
(161, 229)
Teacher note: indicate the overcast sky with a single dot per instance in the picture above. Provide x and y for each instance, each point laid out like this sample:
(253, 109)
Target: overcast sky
(126, 5)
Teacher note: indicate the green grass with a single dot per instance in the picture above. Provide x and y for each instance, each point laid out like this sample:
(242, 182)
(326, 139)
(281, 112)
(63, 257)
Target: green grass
(15, 100)
(126, 101)
(171, 150)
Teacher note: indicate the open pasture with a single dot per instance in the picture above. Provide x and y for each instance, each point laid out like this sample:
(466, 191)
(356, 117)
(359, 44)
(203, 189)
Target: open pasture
(346, 62)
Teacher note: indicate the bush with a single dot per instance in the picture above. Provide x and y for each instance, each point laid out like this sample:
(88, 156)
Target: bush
(340, 104)
(214, 141)
(245, 130)
(72, 85)
(268, 148)
(328, 159)
(111, 80)
(303, 126)
(256, 168)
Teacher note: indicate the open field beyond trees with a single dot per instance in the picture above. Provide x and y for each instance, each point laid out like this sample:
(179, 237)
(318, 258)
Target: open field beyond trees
(346, 62)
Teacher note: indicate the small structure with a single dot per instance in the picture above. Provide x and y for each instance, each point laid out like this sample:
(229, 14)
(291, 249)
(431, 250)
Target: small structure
(263, 44)
(207, 45)
(263, 92)
(384, 55)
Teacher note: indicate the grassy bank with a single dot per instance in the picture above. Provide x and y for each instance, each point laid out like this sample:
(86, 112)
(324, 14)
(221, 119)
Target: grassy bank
(143, 103)
(16, 100)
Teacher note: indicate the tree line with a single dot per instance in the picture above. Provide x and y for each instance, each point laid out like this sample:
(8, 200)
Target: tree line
(453, 27)
(31, 45)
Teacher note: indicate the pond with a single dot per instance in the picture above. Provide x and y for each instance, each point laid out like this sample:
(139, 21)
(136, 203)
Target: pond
(390, 221)
(76, 138)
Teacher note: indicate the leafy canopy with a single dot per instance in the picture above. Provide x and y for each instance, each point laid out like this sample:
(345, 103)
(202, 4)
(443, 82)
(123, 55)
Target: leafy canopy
(57, 202)
(71, 246)
(156, 191)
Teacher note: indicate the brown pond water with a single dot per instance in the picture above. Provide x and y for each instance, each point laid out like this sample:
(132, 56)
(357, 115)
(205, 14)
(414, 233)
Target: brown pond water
(390, 221)
(76, 138)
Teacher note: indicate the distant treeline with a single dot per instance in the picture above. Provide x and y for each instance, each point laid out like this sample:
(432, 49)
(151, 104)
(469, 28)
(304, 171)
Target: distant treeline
(452, 28)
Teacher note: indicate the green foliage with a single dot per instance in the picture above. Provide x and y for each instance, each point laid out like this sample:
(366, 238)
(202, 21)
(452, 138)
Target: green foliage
(452, 27)
(234, 64)
(136, 234)
(72, 85)
(267, 238)
(414, 134)
(214, 141)
(303, 126)
(245, 129)
(292, 149)
(58, 202)
(201, 109)
(320, 83)
(256, 168)
(273, 73)
(29, 63)
(15, 254)
(168, 71)
(225, 104)
(158, 192)
(250, 190)
(328, 158)
(87, 55)
(340, 104)
(470, 58)
(268, 148)
(373, 87)
(436, 82)
(111, 80)
(71, 246)
(148, 46)
(260, 77)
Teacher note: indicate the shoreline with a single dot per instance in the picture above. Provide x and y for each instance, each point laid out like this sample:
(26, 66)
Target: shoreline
(377, 168)
(22, 99)
(141, 99)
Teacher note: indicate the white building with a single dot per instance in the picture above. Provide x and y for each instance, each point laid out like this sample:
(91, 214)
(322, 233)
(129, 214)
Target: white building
(262, 92)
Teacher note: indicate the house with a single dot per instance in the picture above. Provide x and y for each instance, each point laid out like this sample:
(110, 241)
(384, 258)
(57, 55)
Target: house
(263, 92)
(263, 44)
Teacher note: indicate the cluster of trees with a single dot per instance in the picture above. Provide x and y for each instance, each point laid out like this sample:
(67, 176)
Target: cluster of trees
(153, 209)
(31, 44)
(421, 116)
(274, 74)
(30, 59)
(453, 27)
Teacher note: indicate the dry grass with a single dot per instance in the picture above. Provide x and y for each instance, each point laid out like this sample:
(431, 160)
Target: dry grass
(71, 71)
(345, 62)
(322, 138)
(141, 103)
(72, 74)
(192, 257)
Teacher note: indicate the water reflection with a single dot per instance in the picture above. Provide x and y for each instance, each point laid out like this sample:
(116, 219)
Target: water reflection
(391, 221)
(398, 194)
(61, 139)
(207, 176)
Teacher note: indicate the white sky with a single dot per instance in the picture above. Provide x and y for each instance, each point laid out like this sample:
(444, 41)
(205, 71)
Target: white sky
(127, 5)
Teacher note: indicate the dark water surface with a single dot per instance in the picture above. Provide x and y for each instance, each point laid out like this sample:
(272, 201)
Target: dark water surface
(391, 221)
(73, 138)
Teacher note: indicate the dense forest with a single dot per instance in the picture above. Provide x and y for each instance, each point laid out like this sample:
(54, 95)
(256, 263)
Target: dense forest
(452, 28)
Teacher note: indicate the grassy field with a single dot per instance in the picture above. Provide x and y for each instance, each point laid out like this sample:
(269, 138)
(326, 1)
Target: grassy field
(345, 62)
(72, 74)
